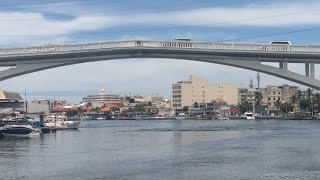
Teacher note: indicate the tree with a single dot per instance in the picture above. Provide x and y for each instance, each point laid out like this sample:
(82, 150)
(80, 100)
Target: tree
(71, 113)
(245, 107)
(299, 97)
(310, 99)
(294, 100)
(80, 111)
(286, 106)
(185, 109)
(309, 93)
(130, 109)
(317, 100)
(89, 104)
(278, 104)
(139, 108)
(195, 105)
(258, 98)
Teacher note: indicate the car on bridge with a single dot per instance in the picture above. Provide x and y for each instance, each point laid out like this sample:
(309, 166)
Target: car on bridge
(277, 46)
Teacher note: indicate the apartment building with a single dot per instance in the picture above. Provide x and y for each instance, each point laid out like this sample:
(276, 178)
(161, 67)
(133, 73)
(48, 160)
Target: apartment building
(197, 89)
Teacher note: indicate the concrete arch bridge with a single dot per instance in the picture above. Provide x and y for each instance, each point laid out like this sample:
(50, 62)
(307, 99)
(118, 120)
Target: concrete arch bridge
(249, 56)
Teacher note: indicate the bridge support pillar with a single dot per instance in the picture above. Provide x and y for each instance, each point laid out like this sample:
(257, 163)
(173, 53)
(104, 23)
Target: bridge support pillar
(307, 69)
(312, 72)
(283, 65)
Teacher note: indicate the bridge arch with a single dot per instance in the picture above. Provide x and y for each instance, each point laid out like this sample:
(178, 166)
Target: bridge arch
(30, 64)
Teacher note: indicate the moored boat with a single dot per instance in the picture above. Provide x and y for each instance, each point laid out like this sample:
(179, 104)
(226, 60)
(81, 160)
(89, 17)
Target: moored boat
(249, 115)
(182, 116)
(60, 122)
(18, 127)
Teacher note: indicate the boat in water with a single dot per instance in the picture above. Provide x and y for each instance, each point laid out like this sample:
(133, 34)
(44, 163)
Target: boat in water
(249, 116)
(18, 127)
(182, 116)
(60, 122)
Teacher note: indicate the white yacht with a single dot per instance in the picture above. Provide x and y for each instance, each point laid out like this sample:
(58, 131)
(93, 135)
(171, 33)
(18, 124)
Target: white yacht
(182, 116)
(249, 115)
(18, 127)
(60, 122)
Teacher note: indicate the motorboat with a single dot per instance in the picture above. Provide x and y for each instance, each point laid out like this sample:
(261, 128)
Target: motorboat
(182, 116)
(60, 122)
(18, 127)
(249, 115)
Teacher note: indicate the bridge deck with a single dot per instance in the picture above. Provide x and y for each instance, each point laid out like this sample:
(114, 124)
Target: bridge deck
(254, 47)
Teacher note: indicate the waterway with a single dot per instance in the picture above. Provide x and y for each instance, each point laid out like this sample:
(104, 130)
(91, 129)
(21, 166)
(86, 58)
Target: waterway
(226, 149)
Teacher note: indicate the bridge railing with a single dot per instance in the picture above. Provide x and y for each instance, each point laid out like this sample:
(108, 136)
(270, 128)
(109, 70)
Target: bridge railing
(159, 44)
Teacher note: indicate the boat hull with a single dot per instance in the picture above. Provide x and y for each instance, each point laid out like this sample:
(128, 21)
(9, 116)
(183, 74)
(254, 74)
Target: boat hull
(18, 132)
(63, 125)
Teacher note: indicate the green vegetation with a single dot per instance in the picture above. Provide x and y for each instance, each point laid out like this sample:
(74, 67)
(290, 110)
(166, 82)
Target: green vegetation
(246, 107)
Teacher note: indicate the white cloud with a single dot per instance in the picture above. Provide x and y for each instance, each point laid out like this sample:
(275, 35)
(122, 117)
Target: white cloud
(35, 23)
(154, 75)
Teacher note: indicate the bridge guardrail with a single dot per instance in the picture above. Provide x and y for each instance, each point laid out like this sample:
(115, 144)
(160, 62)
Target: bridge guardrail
(160, 44)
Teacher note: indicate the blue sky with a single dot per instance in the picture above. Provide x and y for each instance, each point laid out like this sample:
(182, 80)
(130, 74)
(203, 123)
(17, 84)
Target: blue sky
(31, 22)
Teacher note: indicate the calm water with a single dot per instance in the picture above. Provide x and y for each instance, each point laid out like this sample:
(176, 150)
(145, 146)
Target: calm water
(229, 149)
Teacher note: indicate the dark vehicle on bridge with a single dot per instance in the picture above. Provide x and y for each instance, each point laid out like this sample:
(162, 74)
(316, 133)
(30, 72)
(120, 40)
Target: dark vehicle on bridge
(182, 39)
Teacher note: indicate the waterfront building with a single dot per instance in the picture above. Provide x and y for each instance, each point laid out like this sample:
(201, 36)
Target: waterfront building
(282, 93)
(186, 93)
(246, 95)
(43, 105)
(11, 100)
(101, 98)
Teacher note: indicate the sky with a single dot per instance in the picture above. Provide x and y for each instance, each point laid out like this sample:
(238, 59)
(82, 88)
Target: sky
(31, 22)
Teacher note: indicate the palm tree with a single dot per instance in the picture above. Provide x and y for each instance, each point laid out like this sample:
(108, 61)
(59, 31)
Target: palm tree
(309, 93)
(299, 97)
(310, 98)
(278, 104)
(286, 105)
(258, 98)
(294, 99)
(316, 98)
(246, 107)
(79, 111)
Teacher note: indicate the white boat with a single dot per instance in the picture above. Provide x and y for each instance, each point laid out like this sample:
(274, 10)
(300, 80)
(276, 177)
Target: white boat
(18, 127)
(249, 115)
(61, 122)
(182, 116)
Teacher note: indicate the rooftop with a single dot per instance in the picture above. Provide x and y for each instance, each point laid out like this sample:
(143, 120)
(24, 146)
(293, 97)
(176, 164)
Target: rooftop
(6, 95)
